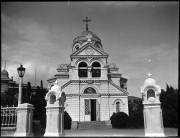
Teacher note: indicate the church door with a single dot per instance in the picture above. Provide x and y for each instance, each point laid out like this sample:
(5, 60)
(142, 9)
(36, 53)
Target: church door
(90, 110)
(93, 110)
(87, 109)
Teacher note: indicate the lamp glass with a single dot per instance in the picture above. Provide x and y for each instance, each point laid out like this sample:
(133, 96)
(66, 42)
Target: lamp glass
(21, 71)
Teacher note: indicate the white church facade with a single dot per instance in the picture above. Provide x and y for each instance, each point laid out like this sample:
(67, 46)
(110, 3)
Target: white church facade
(94, 89)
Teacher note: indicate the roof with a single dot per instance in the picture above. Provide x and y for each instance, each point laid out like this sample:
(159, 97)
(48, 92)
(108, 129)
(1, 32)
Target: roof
(84, 34)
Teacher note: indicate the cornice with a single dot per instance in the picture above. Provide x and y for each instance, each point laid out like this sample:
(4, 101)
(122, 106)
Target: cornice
(95, 95)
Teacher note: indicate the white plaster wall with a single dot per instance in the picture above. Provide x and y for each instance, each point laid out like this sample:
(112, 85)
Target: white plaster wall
(73, 108)
(112, 89)
(72, 89)
(104, 109)
(116, 81)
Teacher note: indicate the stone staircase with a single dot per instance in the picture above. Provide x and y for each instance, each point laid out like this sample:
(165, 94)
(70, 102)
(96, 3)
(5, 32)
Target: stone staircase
(92, 125)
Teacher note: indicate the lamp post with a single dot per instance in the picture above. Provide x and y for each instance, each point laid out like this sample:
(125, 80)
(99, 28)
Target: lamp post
(21, 71)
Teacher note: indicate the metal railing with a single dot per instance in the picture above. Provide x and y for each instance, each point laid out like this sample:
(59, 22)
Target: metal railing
(8, 117)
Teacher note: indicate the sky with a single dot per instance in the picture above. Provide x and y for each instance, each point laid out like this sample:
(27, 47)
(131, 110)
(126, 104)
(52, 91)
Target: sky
(140, 37)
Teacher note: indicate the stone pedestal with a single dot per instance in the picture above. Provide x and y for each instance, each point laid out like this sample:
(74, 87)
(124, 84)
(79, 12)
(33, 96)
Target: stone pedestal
(55, 121)
(153, 123)
(24, 120)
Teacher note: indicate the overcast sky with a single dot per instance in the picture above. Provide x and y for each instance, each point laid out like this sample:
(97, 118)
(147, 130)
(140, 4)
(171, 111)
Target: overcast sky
(140, 37)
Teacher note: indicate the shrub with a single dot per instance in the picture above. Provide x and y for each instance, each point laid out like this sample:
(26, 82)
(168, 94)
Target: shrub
(67, 121)
(112, 119)
(119, 120)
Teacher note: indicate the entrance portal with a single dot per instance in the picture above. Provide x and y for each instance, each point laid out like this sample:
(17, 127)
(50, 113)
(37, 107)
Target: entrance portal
(90, 110)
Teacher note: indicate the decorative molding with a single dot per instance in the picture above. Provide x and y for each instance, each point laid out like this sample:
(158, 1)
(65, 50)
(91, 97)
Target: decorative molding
(95, 95)
(150, 87)
(153, 104)
(53, 107)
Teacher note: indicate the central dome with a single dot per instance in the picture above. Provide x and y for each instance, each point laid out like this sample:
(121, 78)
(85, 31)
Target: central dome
(85, 35)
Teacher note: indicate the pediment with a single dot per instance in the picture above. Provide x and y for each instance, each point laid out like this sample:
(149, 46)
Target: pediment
(89, 50)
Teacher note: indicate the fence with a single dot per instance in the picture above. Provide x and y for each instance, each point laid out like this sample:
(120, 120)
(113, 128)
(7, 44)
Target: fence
(8, 117)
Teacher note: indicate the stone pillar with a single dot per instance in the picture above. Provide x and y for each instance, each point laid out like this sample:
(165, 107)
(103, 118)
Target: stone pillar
(89, 72)
(54, 121)
(24, 120)
(153, 121)
(55, 112)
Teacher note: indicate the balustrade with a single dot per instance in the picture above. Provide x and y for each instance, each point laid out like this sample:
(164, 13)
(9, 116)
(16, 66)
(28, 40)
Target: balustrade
(8, 117)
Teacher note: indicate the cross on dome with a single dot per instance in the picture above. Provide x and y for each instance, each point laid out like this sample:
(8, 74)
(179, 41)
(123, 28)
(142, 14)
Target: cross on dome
(149, 74)
(86, 20)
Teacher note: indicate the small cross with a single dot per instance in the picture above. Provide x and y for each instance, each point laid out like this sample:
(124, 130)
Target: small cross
(149, 74)
(86, 20)
(89, 37)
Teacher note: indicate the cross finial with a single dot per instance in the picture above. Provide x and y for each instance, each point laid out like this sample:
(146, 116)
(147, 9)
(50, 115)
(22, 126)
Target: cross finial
(86, 20)
(149, 74)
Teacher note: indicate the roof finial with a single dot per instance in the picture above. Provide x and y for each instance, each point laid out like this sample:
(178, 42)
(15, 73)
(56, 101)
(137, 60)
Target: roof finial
(86, 20)
(5, 65)
(149, 74)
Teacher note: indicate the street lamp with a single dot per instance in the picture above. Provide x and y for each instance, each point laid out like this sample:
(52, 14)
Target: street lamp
(21, 72)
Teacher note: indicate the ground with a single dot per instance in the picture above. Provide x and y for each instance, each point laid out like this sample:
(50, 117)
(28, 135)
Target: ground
(116, 132)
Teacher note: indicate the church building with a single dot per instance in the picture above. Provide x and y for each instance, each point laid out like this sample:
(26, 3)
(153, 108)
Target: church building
(93, 87)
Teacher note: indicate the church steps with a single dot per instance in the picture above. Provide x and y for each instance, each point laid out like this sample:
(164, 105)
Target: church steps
(91, 125)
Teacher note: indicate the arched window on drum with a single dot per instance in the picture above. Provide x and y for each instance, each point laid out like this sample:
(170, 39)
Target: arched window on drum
(96, 69)
(117, 106)
(82, 69)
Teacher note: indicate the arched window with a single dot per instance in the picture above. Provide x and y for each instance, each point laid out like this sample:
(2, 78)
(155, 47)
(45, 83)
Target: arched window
(96, 69)
(82, 69)
(89, 90)
(150, 93)
(52, 99)
(117, 107)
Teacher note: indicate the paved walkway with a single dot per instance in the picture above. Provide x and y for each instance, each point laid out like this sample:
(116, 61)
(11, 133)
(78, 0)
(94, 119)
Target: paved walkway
(116, 132)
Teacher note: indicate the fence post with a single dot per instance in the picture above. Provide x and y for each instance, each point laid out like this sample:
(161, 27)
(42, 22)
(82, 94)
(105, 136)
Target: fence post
(24, 120)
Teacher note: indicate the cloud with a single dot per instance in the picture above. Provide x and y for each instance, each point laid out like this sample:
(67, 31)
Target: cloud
(27, 42)
(121, 4)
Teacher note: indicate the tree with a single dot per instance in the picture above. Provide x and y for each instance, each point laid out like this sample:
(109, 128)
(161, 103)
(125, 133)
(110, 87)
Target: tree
(41, 84)
(28, 92)
(135, 113)
(169, 105)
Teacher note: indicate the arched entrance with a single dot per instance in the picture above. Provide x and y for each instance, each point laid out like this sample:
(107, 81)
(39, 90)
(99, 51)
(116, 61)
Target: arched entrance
(90, 105)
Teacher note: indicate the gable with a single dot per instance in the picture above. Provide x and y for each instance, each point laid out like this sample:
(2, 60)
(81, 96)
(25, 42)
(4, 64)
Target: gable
(89, 50)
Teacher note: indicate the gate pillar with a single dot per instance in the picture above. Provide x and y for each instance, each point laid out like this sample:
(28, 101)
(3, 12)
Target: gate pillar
(153, 121)
(55, 112)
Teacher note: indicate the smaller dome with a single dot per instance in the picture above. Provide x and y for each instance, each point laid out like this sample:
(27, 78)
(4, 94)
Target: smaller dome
(56, 88)
(150, 81)
(4, 74)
